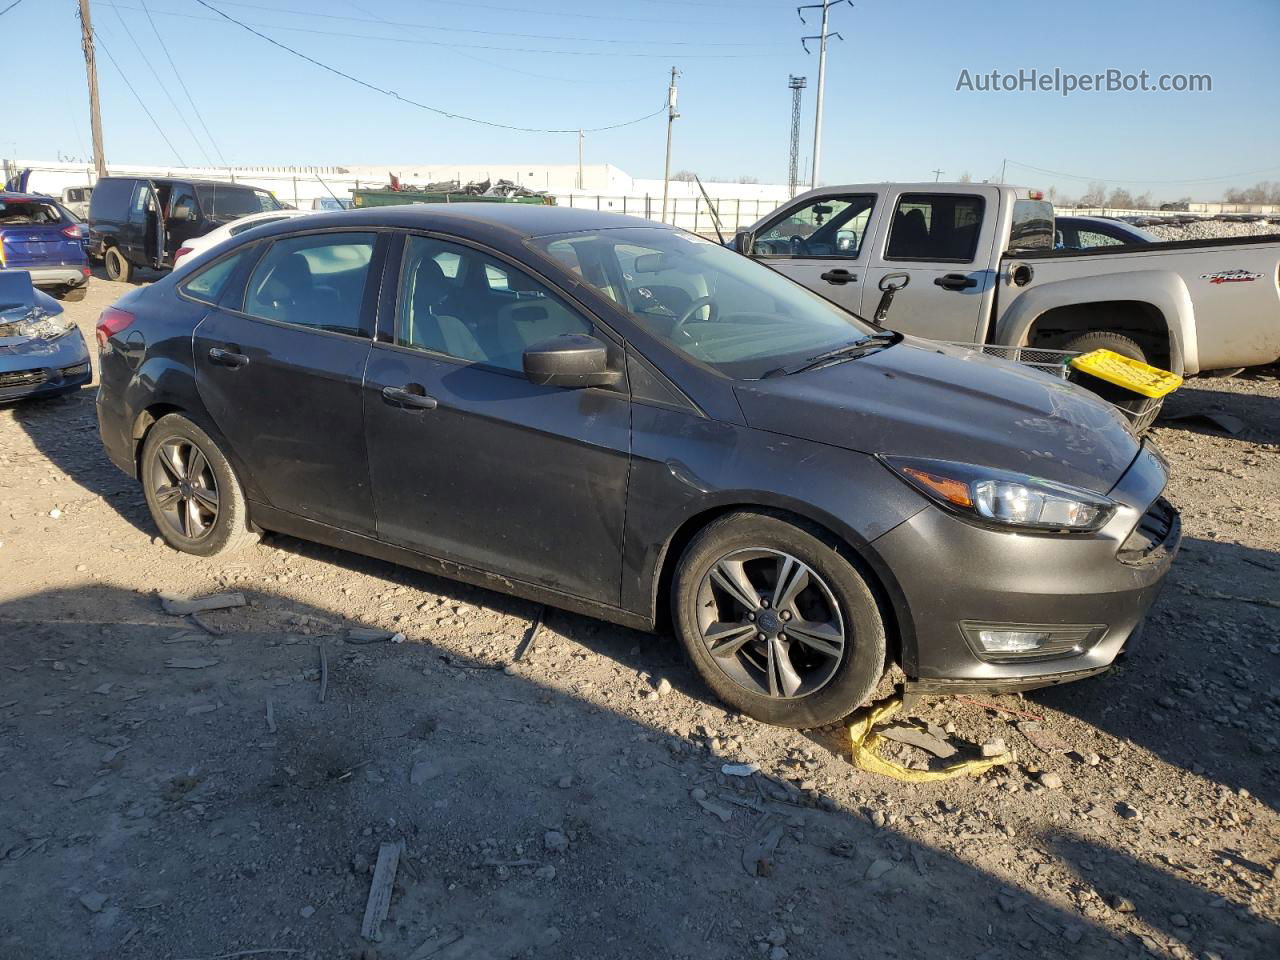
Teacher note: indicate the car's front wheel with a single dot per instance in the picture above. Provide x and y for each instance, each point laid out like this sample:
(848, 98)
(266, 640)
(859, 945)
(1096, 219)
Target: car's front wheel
(194, 495)
(777, 621)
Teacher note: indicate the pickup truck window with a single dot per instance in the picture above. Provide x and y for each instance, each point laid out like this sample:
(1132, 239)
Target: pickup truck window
(935, 227)
(829, 227)
(1032, 227)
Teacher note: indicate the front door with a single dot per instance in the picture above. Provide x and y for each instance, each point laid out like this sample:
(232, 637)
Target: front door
(943, 243)
(281, 375)
(819, 244)
(470, 461)
(182, 219)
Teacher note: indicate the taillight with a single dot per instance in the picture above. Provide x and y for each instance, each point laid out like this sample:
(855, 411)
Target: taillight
(111, 322)
(76, 231)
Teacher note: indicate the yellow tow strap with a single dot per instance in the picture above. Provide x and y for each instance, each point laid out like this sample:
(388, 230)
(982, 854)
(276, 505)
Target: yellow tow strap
(866, 758)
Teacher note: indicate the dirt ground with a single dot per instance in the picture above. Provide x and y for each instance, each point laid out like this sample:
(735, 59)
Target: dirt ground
(171, 791)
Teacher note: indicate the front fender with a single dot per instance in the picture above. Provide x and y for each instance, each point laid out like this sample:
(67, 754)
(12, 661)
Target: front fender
(1163, 290)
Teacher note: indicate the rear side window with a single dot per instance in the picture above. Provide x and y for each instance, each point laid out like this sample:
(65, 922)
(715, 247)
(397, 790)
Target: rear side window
(208, 283)
(1032, 227)
(227, 201)
(935, 227)
(314, 281)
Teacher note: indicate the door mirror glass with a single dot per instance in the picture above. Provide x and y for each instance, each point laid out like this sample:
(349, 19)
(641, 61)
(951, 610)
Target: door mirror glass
(571, 360)
(743, 241)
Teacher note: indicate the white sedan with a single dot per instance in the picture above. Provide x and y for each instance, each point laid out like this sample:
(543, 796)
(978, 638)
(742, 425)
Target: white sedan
(195, 246)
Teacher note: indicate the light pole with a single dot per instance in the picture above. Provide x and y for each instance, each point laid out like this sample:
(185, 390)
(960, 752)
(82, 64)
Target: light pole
(822, 38)
(671, 119)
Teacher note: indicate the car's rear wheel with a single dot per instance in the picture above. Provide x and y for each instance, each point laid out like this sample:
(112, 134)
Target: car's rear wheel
(117, 267)
(194, 495)
(777, 621)
(1142, 410)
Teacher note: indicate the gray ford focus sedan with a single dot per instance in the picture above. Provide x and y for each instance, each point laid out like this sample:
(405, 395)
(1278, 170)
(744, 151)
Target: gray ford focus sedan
(626, 420)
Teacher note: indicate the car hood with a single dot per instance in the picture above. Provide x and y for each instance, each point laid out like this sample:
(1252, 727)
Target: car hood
(923, 399)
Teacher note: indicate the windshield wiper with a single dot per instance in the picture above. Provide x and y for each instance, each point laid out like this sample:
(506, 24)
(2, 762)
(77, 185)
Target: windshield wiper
(850, 351)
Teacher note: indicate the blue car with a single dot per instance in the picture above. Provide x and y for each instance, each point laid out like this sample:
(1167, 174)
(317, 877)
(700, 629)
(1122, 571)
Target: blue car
(42, 353)
(40, 237)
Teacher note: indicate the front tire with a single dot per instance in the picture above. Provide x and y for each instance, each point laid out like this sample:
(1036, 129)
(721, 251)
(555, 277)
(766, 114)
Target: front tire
(194, 496)
(778, 623)
(118, 268)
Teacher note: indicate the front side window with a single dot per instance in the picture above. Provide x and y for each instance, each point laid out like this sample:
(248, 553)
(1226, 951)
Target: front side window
(464, 304)
(208, 284)
(729, 312)
(830, 227)
(314, 281)
(935, 227)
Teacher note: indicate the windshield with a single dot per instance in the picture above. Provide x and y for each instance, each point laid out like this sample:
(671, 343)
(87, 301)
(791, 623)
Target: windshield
(716, 306)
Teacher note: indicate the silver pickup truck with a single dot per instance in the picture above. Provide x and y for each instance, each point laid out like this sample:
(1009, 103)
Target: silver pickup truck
(978, 263)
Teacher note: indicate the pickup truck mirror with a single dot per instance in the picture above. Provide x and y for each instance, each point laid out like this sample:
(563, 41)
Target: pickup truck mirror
(744, 242)
(181, 213)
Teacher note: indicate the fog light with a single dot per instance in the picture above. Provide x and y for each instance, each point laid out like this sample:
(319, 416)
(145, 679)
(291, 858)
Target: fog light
(1011, 641)
(1028, 641)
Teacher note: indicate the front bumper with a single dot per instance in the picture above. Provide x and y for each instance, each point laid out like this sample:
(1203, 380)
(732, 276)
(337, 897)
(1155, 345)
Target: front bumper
(58, 276)
(44, 367)
(952, 572)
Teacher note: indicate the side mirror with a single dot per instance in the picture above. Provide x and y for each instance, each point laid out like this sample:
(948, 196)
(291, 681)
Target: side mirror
(571, 360)
(181, 213)
(744, 242)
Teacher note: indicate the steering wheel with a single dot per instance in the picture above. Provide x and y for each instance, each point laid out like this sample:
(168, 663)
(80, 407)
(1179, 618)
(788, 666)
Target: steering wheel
(799, 246)
(691, 310)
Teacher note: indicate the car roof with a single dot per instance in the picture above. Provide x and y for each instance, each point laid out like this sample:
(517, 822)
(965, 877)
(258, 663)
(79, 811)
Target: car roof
(194, 181)
(7, 195)
(511, 221)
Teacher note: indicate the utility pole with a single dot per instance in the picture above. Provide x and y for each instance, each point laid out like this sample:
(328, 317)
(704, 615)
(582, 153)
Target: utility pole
(91, 72)
(936, 174)
(793, 170)
(822, 38)
(1003, 164)
(580, 158)
(671, 119)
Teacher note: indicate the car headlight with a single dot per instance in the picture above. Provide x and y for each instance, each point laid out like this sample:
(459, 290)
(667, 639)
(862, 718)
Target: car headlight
(1004, 497)
(45, 327)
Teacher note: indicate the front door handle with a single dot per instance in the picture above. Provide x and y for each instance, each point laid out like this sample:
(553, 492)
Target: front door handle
(402, 397)
(227, 358)
(955, 281)
(838, 276)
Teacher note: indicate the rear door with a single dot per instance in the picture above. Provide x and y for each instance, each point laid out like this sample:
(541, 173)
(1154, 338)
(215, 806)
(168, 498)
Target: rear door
(470, 461)
(944, 244)
(821, 243)
(280, 369)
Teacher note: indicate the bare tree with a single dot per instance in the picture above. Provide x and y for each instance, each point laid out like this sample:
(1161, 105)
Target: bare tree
(965, 178)
(746, 179)
(1120, 198)
(1144, 201)
(1095, 196)
(686, 175)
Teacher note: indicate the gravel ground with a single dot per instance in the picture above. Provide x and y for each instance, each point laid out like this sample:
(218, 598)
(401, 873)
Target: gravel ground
(179, 791)
(1214, 230)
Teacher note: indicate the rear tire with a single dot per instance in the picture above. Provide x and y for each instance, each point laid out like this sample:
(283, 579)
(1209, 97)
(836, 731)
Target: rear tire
(1141, 410)
(193, 493)
(117, 267)
(823, 646)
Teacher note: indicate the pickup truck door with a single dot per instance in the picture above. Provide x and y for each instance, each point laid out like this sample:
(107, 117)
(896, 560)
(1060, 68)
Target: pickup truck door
(820, 243)
(945, 243)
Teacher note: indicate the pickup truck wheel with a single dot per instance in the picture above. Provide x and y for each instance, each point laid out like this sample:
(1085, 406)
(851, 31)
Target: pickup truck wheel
(118, 268)
(1141, 410)
(778, 623)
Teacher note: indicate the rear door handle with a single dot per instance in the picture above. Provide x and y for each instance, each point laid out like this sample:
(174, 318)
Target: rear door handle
(839, 276)
(227, 358)
(402, 397)
(955, 281)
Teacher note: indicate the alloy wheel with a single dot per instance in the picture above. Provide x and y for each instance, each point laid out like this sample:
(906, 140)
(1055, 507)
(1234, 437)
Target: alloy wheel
(770, 623)
(185, 488)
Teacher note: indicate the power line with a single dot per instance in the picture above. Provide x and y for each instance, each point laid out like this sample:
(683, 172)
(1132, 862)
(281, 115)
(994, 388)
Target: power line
(415, 103)
(346, 35)
(160, 130)
(9, 7)
(182, 83)
(289, 11)
(1072, 176)
(162, 85)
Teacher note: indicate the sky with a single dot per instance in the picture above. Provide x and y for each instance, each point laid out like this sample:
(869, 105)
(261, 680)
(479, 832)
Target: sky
(892, 108)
